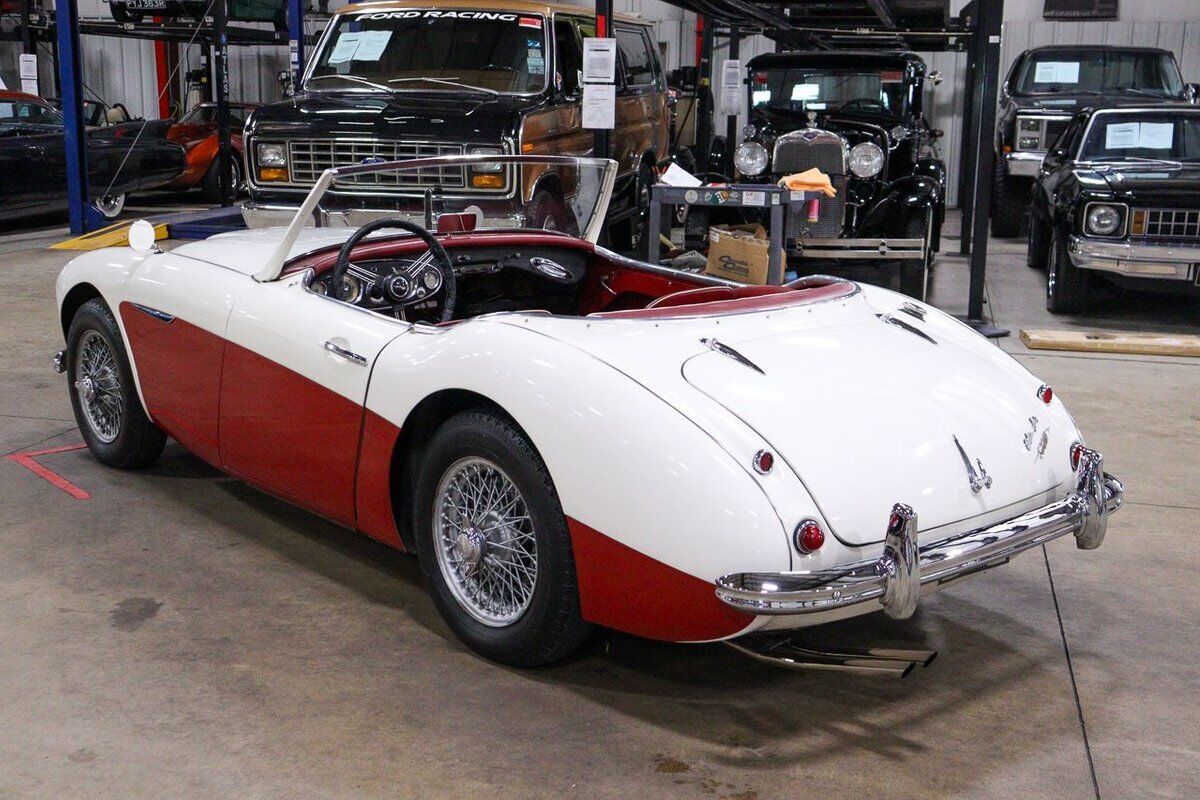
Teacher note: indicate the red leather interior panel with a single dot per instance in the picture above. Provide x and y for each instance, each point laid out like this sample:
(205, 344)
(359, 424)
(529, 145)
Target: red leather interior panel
(179, 371)
(289, 434)
(372, 489)
(626, 590)
(748, 298)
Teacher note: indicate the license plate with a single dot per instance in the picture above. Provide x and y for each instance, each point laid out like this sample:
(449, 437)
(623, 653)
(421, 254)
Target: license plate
(148, 5)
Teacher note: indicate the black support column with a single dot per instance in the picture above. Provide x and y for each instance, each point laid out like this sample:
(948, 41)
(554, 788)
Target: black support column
(731, 121)
(704, 95)
(604, 11)
(221, 81)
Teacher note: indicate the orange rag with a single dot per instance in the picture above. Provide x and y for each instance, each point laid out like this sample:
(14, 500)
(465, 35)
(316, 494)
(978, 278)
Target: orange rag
(811, 180)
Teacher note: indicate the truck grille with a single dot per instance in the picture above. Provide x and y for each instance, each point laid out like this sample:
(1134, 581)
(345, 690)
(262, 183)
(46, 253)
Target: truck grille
(308, 158)
(801, 150)
(1181, 223)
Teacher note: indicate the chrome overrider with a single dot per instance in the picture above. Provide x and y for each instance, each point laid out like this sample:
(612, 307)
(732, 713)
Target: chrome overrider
(894, 581)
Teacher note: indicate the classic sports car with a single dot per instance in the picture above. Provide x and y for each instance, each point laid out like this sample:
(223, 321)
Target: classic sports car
(566, 437)
(196, 133)
(857, 116)
(122, 158)
(1119, 196)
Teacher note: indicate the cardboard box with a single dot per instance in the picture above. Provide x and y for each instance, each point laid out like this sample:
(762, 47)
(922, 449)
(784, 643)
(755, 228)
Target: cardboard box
(739, 253)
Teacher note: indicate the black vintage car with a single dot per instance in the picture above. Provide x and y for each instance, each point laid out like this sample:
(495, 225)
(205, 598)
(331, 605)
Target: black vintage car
(1118, 195)
(857, 116)
(1044, 89)
(121, 158)
(273, 11)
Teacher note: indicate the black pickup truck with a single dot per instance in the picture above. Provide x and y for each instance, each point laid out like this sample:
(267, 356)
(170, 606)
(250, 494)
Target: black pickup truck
(1046, 87)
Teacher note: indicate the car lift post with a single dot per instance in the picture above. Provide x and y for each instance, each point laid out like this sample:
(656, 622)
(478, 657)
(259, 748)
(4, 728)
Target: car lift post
(704, 97)
(604, 12)
(985, 53)
(225, 187)
(82, 217)
(731, 121)
(295, 18)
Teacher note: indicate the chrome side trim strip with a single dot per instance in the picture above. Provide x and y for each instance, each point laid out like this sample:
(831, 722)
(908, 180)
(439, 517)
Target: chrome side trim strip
(154, 312)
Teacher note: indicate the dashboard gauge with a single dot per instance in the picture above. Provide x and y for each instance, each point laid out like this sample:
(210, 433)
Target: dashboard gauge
(352, 289)
(318, 287)
(431, 280)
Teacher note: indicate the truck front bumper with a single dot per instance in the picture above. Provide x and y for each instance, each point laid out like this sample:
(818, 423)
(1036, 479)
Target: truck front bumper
(1171, 261)
(894, 581)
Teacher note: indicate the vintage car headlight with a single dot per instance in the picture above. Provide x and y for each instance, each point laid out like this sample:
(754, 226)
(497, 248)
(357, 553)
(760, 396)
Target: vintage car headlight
(1103, 219)
(899, 133)
(866, 159)
(272, 154)
(751, 158)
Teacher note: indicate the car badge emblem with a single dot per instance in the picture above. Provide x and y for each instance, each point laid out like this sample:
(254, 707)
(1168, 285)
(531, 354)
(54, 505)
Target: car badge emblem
(980, 479)
(1032, 432)
(1045, 440)
(374, 160)
(810, 136)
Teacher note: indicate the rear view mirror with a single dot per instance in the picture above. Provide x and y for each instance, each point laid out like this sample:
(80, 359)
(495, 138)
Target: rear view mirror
(142, 237)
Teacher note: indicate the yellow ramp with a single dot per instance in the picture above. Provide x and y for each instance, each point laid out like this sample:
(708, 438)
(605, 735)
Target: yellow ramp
(116, 235)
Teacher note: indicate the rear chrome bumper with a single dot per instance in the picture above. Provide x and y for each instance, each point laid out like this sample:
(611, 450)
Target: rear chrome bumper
(1024, 164)
(1135, 259)
(865, 249)
(894, 581)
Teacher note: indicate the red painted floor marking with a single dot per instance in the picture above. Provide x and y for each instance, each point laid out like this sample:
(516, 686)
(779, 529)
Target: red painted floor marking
(26, 461)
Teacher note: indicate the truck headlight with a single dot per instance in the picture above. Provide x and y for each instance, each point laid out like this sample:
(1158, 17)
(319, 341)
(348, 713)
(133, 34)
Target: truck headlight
(751, 158)
(272, 154)
(1103, 219)
(866, 159)
(487, 166)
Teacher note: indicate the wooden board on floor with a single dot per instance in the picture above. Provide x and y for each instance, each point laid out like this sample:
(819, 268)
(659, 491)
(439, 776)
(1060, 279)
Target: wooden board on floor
(1150, 344)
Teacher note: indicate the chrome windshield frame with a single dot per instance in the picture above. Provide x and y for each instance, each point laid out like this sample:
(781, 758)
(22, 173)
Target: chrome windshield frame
(272, 269)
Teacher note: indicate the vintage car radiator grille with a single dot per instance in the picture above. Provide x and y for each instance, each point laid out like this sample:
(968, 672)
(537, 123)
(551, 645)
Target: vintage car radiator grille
(310, 157)
(801, 150)
(1173, 223)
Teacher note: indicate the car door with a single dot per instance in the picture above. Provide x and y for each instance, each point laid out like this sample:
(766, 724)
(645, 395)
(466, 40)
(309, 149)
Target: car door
(641, 106)
(293, 385)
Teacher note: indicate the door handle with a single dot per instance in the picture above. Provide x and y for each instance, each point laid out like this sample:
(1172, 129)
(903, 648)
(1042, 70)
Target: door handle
(349, 355)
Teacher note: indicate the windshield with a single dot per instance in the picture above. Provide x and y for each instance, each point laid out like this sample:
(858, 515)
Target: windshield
(805, 89)
(1161, 135)
(548, 193)
(487, 52)
(27, 112)
(1095, 71)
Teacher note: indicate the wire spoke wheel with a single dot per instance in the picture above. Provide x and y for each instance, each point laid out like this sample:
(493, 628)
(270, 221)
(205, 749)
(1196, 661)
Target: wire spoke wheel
(484, 541)
(98, 385)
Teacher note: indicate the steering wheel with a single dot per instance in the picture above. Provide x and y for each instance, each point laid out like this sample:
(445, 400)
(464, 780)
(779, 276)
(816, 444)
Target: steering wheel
(441, 261)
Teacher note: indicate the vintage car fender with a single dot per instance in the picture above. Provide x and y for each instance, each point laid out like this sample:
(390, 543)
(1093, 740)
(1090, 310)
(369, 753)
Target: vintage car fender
(902, 200)
(657, 506)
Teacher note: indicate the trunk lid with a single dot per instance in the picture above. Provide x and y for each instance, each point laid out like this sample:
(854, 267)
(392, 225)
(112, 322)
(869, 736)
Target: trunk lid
(869, 414)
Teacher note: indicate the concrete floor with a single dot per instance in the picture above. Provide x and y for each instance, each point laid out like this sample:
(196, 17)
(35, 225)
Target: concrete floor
(181, 635)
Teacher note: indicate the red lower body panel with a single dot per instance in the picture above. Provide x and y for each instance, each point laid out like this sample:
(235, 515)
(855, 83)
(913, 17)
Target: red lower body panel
(626, 590)
(373, 488)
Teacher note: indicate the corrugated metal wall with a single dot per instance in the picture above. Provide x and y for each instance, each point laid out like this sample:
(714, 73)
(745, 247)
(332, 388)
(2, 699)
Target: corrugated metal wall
(122, 70)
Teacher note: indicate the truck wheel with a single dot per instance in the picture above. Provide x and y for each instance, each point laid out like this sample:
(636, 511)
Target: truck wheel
(1066, 284)
(914, 273)
(209, 187)
(103, 394)
(494, 545)
(548, 212)
(1008, 204)
(1039, 243)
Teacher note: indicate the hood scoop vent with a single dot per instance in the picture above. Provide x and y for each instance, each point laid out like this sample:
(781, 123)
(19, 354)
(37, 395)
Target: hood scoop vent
(906, 326)
(729, 352)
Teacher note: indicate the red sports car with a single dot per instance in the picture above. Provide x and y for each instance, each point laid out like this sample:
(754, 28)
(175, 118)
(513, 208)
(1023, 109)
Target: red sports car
(197, 134)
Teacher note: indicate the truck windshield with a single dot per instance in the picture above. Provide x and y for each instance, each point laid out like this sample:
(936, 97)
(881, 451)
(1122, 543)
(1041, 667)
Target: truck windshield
(806, 89)
(1155, 136)
(1095, 71)
(444, 50)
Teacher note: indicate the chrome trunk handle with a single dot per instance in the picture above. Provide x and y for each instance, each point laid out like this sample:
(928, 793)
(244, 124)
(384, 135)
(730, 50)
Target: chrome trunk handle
(349, 355)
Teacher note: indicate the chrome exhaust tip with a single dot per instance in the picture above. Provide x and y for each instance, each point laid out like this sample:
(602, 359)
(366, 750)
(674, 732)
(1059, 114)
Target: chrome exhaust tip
(784, 651)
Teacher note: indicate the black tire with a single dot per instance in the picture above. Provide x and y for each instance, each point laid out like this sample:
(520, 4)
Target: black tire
(1009, 200)
(695, 228)
(123, 15)
(1066, 285)
(630, 233)
(137, 442)
(1037, 254)
(209, 187)
(548, 211)
(549, 627)
(914, 273)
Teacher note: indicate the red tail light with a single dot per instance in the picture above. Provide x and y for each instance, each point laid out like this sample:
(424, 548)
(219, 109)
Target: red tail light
(809, 536)
(763, 461)
(1045, 394)
(1076, 455)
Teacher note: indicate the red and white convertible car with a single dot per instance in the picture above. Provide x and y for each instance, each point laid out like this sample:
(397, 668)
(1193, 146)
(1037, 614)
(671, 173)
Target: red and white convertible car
(567, 438)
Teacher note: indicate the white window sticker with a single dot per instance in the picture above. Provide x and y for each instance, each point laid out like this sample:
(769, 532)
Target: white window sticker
(1057, 72)
(1157, 135)
(371, 45)
(1121, 135)
(760, 96)
(806, 91)
(345, 48)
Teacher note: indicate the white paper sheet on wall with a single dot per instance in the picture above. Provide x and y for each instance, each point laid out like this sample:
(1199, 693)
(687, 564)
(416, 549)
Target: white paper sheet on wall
(347, 45)
(731, 87)
(599, 105)
(1056, 72)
